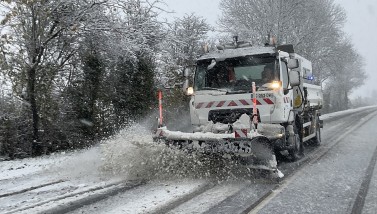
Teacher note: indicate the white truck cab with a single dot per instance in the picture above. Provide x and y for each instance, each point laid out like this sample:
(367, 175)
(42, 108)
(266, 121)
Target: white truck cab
(222, 92)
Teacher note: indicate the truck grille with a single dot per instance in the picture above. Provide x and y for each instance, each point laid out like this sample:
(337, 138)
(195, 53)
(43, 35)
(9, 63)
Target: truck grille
(227, 116)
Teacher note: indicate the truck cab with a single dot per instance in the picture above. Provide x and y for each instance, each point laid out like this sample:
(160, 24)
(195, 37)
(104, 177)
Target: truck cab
(223, 86)
(222, 93)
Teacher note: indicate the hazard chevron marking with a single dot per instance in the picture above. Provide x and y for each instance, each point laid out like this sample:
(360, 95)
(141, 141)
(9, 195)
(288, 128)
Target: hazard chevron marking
(240, 133)
(232, 103)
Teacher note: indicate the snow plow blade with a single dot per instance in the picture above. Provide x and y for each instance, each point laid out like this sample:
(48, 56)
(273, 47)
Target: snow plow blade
(250, 149)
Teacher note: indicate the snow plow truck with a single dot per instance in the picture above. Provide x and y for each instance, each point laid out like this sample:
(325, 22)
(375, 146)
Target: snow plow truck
(250, 104)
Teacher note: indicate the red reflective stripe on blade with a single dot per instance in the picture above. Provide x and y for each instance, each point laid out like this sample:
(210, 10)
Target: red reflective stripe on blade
(244, 102)
(258, 103)
(268, 101)
(199, 105)
(209, 105)
(232, 103)
(240, 133)
(221, 103)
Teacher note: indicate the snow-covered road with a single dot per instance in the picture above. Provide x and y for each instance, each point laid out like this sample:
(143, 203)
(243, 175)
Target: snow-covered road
(130, 174)
(336, 182)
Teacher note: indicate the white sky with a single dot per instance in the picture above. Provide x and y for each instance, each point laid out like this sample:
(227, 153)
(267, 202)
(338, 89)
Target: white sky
(208, 9)
(361, 27)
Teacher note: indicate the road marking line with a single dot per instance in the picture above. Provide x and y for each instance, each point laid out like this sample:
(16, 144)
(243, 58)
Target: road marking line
(363, 191)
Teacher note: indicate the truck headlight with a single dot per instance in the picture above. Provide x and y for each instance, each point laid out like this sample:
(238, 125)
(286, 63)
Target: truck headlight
(275, 85)
(190, 91)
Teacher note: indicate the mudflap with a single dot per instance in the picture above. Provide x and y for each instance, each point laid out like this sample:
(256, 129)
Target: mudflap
(262, 157)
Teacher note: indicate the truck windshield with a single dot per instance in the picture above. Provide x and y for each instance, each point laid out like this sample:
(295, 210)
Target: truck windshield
(236, 74)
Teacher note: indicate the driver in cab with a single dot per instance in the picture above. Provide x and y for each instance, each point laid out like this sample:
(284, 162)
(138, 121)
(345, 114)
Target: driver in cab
(268, 79)
(268, 74)
(224, 77)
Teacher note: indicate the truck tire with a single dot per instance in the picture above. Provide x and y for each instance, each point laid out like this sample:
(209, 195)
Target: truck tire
(316, 141)
(297, 152)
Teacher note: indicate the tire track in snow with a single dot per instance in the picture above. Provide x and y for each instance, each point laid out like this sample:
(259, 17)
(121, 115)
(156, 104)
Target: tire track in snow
(153, 197)
(363, 191)
(243, 199)
(94, 194)
(210, 199)
(71, 206)
(30, 188)
(185, 198)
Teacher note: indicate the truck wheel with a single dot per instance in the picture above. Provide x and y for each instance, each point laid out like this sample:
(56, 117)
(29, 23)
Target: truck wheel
(297, 152)
(317, 139)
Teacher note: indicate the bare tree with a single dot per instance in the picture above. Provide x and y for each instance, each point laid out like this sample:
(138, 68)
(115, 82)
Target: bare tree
(315, 28)
(311, 26)
(347, 75)
(184, 42)
(44, 34)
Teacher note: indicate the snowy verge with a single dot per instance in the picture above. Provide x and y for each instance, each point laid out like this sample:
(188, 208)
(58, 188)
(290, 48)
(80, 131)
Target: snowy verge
(345, 112)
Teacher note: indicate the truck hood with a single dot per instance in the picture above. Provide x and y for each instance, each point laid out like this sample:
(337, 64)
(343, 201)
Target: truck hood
(210, 92)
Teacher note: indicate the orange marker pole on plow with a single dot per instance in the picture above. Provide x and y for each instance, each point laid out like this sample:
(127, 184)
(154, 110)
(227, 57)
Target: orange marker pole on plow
(255, 112)
(160, 120)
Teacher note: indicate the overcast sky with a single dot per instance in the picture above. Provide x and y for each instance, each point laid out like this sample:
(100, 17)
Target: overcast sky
(361, 27)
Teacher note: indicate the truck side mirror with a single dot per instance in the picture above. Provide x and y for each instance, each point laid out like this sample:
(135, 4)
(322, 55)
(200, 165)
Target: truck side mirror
(187, 72)
(210, 66)
(185, 85)
(294, 78)
(293, 63)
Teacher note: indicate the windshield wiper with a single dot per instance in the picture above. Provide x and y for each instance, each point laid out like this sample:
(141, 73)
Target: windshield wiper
(238, 92)
(216, 89)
